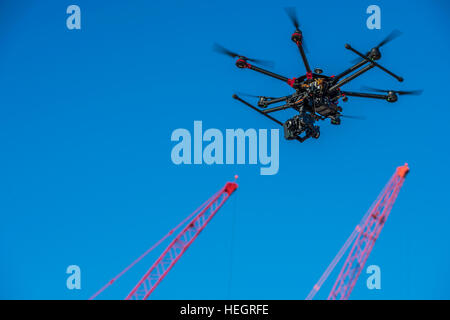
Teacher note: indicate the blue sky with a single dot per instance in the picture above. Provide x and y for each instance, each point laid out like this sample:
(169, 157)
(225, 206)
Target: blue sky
(86, 174)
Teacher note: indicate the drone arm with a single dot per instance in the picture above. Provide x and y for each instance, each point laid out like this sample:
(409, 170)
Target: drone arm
(364, 95)
(266, 103)
(256, 109)
(351, 77)
(266, 115)
(367, 59)
(278, 108)
(349, 70)
(302, 53)
(297, 104)
(266, 72)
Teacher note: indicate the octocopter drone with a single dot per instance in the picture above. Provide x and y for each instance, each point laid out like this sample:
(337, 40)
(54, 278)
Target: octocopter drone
(316, 95)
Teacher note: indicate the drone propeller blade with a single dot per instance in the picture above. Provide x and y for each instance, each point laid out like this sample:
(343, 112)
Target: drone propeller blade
(220, 49)
(373, 89)
(248, 95)
(394, 34)
(399, 92)
(410, 92)
(352, 117)
(267, 63)
(253, 96)
(292, 14)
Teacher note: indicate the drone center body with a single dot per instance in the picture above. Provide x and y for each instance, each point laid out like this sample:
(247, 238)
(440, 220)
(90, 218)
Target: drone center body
(313, 102)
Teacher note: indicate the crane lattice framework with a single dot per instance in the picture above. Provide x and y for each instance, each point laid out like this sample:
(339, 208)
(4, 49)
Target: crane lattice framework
(362, 240)
(196, 222)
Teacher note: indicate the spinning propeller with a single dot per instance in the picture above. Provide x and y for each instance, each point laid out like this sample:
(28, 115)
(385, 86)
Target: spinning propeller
(352, 117)
(375, 50)
(394, 34)
(292, 14)
(253, 96)
(399, 92)
(218, 48)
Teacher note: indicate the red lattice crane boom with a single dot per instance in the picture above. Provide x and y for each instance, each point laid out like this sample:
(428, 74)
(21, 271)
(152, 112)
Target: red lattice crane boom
(362, 240)
(176, 248)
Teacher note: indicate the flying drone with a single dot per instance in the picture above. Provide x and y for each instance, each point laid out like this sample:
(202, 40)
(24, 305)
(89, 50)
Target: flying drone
(316, 95)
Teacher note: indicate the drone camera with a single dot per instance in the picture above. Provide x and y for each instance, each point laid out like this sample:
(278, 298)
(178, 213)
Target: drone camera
(291, 129)
(299, 124)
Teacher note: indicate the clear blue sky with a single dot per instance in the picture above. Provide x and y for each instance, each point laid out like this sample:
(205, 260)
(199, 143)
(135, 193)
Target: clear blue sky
(85, 169)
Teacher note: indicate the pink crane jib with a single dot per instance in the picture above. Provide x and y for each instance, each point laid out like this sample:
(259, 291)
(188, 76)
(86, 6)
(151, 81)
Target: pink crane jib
(176, 248)
(362, 240)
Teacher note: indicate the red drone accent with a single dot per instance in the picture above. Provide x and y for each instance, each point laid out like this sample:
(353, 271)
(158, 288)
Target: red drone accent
(297, 37)
(363, 239)
(177, 247)
(242, 63)
(291, 81)
(309, 75)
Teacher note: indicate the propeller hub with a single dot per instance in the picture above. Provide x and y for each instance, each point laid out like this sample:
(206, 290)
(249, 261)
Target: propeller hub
(297, 36)
(375, 54)
(391, 96)
(241, 63)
